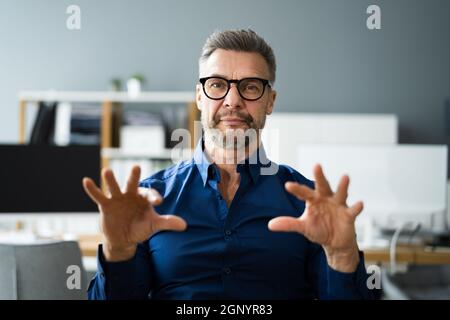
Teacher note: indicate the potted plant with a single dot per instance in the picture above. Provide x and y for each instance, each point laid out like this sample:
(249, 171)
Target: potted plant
(134, 84)
(116, 84)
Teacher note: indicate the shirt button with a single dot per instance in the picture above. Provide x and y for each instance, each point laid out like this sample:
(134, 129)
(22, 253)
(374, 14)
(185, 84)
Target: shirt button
(227, 238)
(227, 232)
(227, 270)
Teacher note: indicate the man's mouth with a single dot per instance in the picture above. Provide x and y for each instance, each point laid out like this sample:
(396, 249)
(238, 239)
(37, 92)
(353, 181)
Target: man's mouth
(229, 121)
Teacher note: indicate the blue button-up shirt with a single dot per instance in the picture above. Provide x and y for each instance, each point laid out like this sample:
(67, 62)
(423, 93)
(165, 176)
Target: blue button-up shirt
(227, 252)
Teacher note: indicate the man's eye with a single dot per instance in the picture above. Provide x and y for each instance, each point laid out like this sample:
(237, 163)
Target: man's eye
(251, 87)
(217, 85)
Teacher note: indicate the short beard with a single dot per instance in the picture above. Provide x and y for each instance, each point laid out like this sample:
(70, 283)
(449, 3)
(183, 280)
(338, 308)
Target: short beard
(231, 139)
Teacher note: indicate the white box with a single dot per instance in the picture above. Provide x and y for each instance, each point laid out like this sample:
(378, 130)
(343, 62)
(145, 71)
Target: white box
(143, 138)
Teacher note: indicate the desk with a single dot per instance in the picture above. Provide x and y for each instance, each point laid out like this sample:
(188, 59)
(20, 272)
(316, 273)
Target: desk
(89, 244)
(417, 255)
(405, 254)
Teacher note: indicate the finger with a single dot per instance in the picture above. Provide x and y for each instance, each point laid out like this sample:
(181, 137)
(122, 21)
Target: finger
(94, 192)
(152, 195)
(356, 209)
(155, 198)
(286, 224)
(133, 180)
(322, 185)
(169, 222)
(342, 190)
(299, 190)
(111, 182)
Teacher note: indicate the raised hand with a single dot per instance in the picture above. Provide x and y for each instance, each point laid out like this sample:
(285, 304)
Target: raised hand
(128, 217)
(327, 220)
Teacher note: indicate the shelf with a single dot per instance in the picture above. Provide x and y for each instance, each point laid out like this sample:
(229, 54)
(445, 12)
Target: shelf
(111, 106)
(109, 102)
(121, 153)
(102, 96)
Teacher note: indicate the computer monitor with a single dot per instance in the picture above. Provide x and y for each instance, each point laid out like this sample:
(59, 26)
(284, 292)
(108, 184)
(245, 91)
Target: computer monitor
(285, 129)
(397, 183)
(47, 179)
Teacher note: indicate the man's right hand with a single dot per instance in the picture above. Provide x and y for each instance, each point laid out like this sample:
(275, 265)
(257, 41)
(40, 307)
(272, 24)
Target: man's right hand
(128, 218)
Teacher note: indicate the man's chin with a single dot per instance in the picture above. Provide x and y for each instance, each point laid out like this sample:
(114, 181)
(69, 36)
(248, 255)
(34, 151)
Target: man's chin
(234, 129)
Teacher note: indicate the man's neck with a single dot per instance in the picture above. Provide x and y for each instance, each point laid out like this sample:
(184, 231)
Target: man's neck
(227, 159)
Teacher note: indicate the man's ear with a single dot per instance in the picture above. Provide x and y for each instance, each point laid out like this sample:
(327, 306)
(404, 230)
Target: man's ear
(271, 102)
(198, 96)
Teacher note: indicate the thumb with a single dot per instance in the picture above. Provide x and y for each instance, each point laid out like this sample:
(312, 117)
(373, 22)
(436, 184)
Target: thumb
(286, 224)
(169, 222)
(356, 209)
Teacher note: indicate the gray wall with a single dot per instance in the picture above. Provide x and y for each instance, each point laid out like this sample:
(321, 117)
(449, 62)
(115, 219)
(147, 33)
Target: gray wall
(328, 61)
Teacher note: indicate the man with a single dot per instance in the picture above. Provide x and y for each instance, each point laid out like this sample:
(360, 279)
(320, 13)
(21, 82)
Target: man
(231, 227)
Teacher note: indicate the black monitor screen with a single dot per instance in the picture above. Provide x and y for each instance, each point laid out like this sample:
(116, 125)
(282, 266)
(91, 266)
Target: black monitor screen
(47, 179)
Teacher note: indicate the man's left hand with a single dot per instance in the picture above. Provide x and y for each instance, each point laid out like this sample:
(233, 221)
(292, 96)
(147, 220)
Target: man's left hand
(327, 220)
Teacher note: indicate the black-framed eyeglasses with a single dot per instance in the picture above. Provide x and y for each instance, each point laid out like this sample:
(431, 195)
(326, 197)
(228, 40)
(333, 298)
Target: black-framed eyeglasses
(251, 89)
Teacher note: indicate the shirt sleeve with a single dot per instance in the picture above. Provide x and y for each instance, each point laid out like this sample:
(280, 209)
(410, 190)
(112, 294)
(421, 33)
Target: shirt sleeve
(330, 284)
(326, 282)
(123, 280)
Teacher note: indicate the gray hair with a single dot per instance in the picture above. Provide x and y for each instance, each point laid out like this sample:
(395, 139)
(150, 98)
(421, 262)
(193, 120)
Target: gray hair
(240, 40)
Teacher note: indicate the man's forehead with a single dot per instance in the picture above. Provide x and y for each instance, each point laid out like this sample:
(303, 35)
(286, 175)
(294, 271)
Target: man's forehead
(230, 63)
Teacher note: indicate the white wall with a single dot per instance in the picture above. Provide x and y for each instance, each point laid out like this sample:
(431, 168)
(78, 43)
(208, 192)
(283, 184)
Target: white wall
(283, 131)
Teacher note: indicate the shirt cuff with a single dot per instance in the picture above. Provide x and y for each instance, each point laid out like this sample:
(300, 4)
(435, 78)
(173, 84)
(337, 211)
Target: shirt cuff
(342, 285)
(117, 276)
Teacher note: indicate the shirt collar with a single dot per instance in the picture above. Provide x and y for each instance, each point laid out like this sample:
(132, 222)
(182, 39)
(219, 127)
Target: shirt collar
(252, 164)
(202, 162)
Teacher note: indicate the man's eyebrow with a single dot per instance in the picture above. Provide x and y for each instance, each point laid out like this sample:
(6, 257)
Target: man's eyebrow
(218, 75)
(225, 77)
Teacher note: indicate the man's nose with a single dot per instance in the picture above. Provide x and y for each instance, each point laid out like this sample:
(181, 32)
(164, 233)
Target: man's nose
(233, 98)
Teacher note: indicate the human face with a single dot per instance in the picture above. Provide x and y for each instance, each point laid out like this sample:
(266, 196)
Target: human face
(233, 115)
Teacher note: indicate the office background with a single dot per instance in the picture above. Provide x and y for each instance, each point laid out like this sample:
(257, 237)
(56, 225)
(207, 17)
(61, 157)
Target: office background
(328, 61)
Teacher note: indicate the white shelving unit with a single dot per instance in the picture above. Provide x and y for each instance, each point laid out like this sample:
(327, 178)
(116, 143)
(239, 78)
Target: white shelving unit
(119, 153)
(121, 161)
(102, 96)
(109, 101)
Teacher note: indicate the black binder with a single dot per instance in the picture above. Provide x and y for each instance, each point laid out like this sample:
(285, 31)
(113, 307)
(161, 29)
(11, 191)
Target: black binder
(44, 126)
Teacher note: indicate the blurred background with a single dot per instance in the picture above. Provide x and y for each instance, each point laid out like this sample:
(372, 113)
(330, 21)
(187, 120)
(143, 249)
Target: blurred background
(371, 103)
(328, 60)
